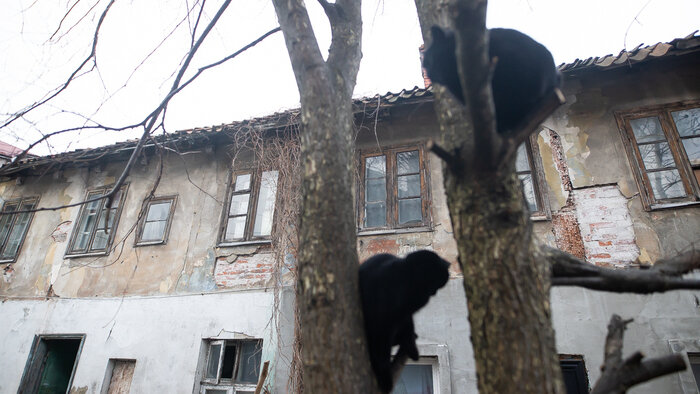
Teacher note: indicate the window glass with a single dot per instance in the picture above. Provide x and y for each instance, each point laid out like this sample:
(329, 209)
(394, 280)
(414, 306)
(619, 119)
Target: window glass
(647, 130)
(249, 362)
(13, 227)
(96, 223)
(266, 204)
(157, 217)
(666, 184)
(213, 363)
(407, 162)
(410, 211)
(415, 379)
(526, 175)
(242, 182)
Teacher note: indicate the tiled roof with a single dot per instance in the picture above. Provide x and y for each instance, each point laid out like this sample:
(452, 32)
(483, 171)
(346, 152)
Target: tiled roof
(366, 105)
(679, 46)
(8, 150)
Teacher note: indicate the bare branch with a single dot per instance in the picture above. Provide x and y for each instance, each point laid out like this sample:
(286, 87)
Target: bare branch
(618, 374)
(568, 270)
(70, 79)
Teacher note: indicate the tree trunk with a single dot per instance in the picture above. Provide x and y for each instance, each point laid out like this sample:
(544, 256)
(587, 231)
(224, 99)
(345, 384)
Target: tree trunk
(335, 359)
(507, 291)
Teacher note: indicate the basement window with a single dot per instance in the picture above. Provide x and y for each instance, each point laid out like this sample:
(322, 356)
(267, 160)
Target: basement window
(250, 207)
(573, 370)
(528, 166)
(420, 377)
(231, 367)
(663, 147)
(89, 236)
(51, 364)
(393, 189)
(14, 226)
(155, 221)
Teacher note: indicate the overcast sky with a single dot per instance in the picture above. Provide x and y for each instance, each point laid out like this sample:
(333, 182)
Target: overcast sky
(34, 60)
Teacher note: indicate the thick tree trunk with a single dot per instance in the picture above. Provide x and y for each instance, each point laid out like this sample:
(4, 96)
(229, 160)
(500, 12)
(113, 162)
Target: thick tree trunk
(335, 359)
(507, 290)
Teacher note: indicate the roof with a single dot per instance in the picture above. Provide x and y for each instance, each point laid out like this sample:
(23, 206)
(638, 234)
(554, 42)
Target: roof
(678, 46)
(8, 150)
(365, 105)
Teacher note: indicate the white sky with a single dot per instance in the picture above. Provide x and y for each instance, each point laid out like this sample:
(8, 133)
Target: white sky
(260, 81)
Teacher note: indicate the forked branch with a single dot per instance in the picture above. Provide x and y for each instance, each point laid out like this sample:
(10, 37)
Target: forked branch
(619, 375)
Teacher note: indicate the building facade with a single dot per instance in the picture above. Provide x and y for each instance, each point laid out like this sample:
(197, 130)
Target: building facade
(181, 286)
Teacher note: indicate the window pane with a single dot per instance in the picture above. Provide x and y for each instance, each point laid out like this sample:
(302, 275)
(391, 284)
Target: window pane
(375, 167)
(657, 156)
(249, 362)
(153, 231)
(158, 211)
(375, 190)
(375, 214)
(6, 220)
(16, 234)
(239, 204)
(415, 379)
(235, 228)
(266, 204)
(521, 161)
(647, 129)
(666, 184)
(87, 224)
(213, 362)
(692, 148)
(102, 237)
(407, 162)
(687, 122)
(409, 186)
(215, 391)
(242, 182)
(410, 211)
(529, 191)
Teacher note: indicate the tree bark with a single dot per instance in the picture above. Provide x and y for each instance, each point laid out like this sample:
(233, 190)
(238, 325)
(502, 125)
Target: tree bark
(507, 290)
(332, 330)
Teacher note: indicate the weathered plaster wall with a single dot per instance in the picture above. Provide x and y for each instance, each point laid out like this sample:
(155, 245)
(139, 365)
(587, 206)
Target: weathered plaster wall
(164, 334)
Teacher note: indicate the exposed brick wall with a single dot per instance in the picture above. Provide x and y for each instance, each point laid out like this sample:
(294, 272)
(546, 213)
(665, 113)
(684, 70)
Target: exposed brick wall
(244, 270)
(606, 226)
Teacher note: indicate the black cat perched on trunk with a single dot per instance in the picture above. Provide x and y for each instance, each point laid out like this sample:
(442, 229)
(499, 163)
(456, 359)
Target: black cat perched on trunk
(392, 289)
(524, 72)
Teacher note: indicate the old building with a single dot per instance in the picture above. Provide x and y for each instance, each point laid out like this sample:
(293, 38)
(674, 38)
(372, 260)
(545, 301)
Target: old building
(182, 285)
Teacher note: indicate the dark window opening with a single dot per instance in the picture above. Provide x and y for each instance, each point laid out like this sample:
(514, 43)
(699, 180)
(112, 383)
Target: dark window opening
(574, 371)
(231, 364)
(51, 365)
(695, 367)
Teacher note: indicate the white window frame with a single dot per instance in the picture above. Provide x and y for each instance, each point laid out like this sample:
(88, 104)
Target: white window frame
(229, 385)
(686, 378)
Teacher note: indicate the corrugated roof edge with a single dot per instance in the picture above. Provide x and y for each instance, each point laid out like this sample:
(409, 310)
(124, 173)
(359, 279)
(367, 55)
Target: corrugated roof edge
(367, 105)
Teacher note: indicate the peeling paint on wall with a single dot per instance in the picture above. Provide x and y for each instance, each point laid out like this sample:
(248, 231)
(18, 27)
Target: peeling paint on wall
(60, 233)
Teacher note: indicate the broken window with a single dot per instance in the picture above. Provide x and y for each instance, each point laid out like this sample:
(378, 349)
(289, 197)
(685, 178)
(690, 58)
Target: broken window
(663, 147)
(529, 169)
(393, 189)
(96, 225)
(155, 221)
(419, 377)
(14, 226)
(574, 372)
(232, 366)
(251, 206)
(51, 364)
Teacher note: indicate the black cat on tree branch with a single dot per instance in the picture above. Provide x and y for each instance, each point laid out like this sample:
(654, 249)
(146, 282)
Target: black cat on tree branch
(507, 274)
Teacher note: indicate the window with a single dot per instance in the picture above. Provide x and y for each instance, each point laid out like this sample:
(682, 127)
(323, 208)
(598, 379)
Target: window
(251, 206)
(13, 227)
(155, 221)
(51, 364)
(574, 372)
(393, 189)
(89, 235)
(694, 359)
(418, 378)
(120, 373)
(231, 367)
(529, 169)
(663, 146)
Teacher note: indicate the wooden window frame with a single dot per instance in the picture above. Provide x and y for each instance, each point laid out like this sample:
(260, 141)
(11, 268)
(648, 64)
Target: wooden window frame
(20, 203)
(219, 383)
(70, 251)
(668, 126)
(254, 191)
(144, 215)
(392, 188)
(538, 180)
